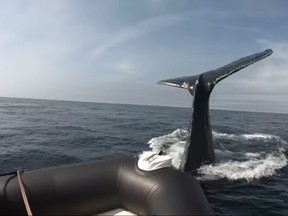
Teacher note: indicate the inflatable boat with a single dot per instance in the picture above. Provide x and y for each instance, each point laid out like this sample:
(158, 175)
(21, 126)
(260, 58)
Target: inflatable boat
(121, 185)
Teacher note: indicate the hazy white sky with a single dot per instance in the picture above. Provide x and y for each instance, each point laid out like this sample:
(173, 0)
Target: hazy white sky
(116, 51)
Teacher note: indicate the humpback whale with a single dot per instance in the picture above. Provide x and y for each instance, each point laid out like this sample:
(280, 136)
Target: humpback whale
(199, 149)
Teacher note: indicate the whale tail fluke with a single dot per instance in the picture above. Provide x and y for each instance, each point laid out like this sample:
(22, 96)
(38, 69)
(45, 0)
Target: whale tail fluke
(212, 77)
(199, 148)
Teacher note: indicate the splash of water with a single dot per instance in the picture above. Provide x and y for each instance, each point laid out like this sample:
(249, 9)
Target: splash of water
(231, 164)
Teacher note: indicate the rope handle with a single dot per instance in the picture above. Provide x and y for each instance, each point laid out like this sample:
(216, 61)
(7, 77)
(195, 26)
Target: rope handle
(24, 196)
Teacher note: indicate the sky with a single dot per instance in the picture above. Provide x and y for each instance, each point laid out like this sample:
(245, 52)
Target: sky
(115, 51)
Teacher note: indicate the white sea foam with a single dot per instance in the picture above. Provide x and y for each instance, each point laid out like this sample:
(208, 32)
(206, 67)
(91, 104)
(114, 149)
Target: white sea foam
(252, 165)
(254, 136)
(248, 170)
(172, 143)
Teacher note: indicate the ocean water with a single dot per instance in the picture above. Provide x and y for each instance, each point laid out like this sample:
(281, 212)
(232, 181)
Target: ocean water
(250, 176)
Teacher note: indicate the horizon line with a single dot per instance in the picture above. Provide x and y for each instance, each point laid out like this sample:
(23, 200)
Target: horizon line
(152, 105)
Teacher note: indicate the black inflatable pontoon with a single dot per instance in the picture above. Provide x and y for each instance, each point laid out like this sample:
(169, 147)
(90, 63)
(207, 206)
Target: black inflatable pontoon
(94, 188)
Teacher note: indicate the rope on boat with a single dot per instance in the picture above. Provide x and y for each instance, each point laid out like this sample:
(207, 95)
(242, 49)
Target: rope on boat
(25, 199)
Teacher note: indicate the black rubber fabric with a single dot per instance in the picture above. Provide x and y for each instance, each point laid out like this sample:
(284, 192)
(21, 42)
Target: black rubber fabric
(91, 188)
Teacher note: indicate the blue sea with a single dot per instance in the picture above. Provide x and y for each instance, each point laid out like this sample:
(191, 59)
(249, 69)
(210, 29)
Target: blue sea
(250, 176)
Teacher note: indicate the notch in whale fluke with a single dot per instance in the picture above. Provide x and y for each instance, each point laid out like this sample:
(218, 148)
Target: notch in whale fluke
(214, 76)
